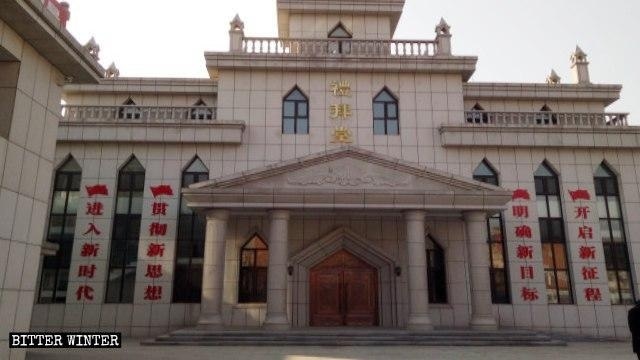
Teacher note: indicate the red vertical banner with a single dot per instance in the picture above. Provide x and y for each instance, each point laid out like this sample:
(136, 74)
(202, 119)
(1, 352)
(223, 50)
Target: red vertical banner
(158, 231)
(90, 249)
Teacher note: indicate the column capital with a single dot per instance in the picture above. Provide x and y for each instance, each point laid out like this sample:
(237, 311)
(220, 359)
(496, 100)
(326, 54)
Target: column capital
(279, 214)
(415, 215)
(217, 214)
(474, 215)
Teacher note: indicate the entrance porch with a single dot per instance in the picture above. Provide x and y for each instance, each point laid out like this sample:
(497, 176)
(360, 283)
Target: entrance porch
(343, 277)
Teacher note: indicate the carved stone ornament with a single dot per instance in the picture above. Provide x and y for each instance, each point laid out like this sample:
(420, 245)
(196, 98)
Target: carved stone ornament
(236, 24)
(112, 72)
(443, 28)
(553, 78)
(345, 176)
(93, 48)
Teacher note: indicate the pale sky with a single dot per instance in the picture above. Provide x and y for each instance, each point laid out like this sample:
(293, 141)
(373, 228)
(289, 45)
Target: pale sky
(515, 40)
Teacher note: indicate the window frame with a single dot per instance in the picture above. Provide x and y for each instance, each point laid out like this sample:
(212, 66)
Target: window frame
(547, 239)
(477, 115)
(437, 282)
(128, 110)
(297, 118)
(128, 245)
(191, 290)
(386, 119)
(253, 296)
(496, 272)
(200, 111)
(64, 242)
(612, 261)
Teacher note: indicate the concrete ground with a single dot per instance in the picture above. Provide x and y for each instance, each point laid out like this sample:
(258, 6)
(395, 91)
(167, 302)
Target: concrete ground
(133, 350)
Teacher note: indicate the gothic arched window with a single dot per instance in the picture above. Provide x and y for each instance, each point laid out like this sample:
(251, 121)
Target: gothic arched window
(477, 115)
(125, 236)
(341, 45)
(129, 110)
(613, 236)
(436, 272)
(62, 224)
(385, 114)
(200, 111)
(295, 113)
(187, 280)
(254, 262)
(497, 246)
(545, 117)
(552, 236)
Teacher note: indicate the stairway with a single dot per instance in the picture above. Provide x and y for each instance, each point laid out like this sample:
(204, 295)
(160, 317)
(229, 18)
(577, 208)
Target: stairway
(354, 337)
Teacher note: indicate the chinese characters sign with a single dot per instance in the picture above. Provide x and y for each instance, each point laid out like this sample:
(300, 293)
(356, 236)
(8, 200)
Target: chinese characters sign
(340, 112)
(524, 251)
(90, 248)
(586, 250)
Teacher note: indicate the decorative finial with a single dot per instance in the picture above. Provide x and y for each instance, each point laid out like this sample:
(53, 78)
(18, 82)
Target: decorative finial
(553, 78)
(578, 56)
(112, 72)
(93, 48)
(443, 28)
(237, 24)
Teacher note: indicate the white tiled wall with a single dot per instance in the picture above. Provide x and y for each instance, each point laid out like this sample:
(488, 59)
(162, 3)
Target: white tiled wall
(26, 163)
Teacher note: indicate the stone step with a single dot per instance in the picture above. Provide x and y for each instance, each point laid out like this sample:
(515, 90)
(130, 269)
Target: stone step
(355, 337)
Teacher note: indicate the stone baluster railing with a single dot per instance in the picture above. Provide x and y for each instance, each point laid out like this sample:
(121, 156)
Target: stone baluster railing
(339, 47)
(492, 118)
(137, 114)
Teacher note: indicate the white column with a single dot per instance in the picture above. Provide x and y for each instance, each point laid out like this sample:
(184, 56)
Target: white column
(213, 268)
(276, 317)
(481, 306)
(419, 317)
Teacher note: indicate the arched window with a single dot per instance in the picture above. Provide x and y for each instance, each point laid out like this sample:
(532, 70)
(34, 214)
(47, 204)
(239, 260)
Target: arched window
(62, 224)
(545, 117)
(295, 113)
(385, 114)
(497, 246)
(254, 261)
(436, 272)
(552, 236)
(200, 111)
(477, 115)
(342, 46)
(613, 236)
(187, 280)
(129, 111)
(125, 236)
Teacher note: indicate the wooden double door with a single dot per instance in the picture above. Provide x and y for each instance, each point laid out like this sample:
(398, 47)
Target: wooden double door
(343, 292)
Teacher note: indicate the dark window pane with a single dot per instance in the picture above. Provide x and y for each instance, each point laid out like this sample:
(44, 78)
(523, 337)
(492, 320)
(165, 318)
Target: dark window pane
(611, 187)
(378, 110)
(289, 109)
(288, 126)
(539, 186)
(392, 111)
(303, 126)
(392, 127)
(302, 109)
(378, 127)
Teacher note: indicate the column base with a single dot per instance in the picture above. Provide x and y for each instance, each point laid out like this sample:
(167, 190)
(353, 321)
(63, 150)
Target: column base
(483, 323)
(420, 322)
(210, 321)
(276, 322)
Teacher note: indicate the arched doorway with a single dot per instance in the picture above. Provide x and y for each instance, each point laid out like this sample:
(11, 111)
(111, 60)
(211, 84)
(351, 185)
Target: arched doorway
(343, 291)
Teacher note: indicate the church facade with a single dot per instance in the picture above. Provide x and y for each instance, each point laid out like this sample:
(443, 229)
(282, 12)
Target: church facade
(336, 176)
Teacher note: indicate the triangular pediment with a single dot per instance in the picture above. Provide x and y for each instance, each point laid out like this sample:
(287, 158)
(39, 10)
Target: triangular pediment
(347, 168)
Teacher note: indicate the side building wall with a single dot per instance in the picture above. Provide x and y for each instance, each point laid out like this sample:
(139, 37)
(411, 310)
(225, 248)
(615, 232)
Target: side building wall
(30, 91)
